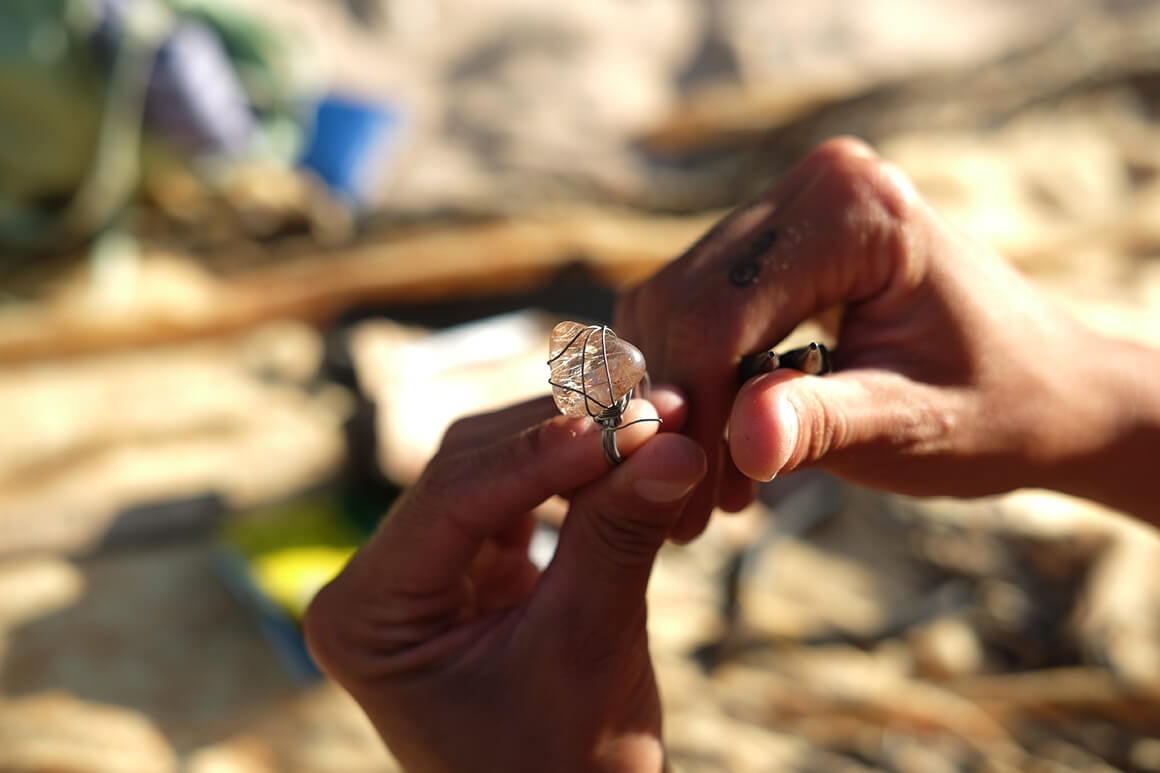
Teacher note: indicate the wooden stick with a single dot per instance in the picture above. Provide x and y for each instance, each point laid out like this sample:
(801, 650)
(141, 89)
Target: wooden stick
(437, 264)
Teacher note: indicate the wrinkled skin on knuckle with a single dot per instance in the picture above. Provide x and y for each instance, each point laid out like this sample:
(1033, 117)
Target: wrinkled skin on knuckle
(322, 626)
(824, 428)
(528, 450)
(628, 544)
(345, 633)
(877, 219)
(857, 224)
(363, 635)
(900, 248)
(937, 417)
(629, 538)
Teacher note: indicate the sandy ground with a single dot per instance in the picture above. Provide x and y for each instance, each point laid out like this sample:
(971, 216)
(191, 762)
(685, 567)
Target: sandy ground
(922, 649)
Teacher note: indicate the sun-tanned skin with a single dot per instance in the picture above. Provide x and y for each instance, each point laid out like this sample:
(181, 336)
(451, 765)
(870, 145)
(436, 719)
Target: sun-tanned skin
(954, 376)
(461, 652)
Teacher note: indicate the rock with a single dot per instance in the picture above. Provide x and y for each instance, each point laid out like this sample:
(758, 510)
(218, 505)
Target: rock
(946, 648)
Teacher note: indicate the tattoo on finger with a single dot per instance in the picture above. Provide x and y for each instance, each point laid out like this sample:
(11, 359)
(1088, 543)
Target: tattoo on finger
(746, 268)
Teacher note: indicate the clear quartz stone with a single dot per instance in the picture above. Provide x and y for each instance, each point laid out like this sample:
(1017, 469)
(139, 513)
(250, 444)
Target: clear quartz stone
(578, 356)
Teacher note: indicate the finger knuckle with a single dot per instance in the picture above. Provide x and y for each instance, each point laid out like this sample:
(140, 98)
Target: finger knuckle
(526, 451)
(629, 538)
(321, 629)
(360, 636)
(447, 478)
(856, 184)
(857, 180)
(535, 443)
(878, 216)
(837, 150)
(928, 428)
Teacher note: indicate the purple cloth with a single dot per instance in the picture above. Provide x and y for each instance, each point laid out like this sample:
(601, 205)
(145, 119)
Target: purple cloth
(195, 100)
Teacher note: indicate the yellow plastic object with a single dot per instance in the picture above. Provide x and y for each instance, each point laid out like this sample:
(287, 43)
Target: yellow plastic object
(290, 577)
(282, 555)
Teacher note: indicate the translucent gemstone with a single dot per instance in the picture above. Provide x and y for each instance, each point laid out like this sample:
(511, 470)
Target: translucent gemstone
(582, 357)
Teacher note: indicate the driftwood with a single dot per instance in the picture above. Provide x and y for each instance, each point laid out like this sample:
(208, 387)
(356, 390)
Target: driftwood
(172, 299)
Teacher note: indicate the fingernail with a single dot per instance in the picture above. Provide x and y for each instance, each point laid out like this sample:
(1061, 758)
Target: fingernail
(662, 491)
(787, 418)
(666, 469)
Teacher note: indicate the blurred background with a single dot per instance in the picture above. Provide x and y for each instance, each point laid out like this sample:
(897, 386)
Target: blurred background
(255, 255)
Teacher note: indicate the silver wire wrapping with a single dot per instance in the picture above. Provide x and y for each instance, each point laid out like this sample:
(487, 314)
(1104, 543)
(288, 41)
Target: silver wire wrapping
(608, 441)
(592, 362)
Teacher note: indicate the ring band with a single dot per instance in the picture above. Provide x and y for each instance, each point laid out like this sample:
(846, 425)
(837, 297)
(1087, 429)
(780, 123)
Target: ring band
(608, 440)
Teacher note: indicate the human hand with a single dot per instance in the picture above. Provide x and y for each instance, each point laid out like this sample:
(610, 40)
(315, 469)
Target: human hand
(955, 376)
(466, 657)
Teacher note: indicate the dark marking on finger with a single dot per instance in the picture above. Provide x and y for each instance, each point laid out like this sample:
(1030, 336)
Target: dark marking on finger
(744, 272)
(746, 269)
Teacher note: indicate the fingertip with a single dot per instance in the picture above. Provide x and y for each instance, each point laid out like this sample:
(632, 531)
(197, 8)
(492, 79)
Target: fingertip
(763, 426)
(690, 526)
(671, 456)
(737, 491)
(640, 422)
(699, 507)
(667, 468)
(672, 406)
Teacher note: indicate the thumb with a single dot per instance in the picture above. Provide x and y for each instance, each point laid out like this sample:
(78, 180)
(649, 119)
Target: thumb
(615, 526)
(845, 421)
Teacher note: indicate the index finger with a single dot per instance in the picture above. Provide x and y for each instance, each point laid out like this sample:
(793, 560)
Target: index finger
(468, 494)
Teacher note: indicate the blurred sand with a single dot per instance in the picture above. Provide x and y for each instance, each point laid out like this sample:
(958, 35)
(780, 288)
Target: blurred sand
(1008, 634)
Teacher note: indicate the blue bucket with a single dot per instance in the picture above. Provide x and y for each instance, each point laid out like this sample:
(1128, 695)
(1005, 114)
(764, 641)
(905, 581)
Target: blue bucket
(352, 145)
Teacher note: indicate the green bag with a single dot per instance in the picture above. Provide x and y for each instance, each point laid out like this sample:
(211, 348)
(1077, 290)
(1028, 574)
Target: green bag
(72, 143)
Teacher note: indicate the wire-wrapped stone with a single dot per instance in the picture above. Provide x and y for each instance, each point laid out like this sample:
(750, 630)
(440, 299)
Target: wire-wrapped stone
(592, 369)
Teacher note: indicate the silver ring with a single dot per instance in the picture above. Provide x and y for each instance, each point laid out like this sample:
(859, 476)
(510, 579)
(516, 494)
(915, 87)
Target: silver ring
(608, 440)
